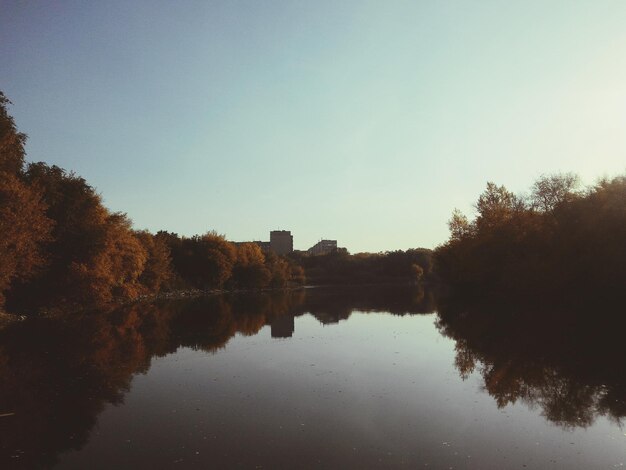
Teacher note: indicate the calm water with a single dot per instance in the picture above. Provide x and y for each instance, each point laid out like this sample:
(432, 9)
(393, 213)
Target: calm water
(310, 379)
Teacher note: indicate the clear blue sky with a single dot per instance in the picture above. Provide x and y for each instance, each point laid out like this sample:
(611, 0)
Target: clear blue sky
(365, 122)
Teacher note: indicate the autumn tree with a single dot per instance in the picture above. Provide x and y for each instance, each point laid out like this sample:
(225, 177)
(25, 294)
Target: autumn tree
(23, 227)
(279, 269)
(114, 266)
(11, 141)
(202, 262)
(495, 206)
(558, 242)
(23, 224)
(459, 226)
(157, 271)
(92, 256)
(249, 270)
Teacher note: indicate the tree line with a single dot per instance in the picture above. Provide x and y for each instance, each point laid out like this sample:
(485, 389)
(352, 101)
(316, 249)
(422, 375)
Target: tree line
(393, 267)
(61, 248)
(560, 240)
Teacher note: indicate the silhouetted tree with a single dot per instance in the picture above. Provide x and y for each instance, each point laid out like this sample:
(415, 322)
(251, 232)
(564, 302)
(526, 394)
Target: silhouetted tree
(551, 190)
(202, 262)
(495, 206)
(368, 268)
(561, 240)
(11, 141)
(459, 226)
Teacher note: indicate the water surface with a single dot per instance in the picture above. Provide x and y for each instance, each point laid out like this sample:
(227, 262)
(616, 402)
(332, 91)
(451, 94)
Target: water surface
(364, 378)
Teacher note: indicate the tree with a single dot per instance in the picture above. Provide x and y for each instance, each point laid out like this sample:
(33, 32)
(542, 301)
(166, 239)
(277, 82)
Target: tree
(297, 274)
(249, 270)
(560, 240)
(23, 228)
(93, 256)
(279, 269)
(495, 206)
(112, 271)
(11, 141)
(203, 262)
(459, 225)
(23, 224)
(217, 257)
(158, 268)
(551, 190)
(418, 272)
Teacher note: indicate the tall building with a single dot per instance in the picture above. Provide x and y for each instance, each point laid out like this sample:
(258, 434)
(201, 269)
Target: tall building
(281, 242)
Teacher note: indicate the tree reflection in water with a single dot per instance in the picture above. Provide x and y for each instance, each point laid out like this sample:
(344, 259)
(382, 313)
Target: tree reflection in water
(568, 362)
(58, 374)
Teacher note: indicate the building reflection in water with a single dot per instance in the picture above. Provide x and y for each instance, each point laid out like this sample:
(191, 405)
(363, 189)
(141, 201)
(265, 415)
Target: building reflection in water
(283, 327)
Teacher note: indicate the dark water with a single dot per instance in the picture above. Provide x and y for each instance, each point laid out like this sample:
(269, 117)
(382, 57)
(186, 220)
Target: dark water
(360, 378)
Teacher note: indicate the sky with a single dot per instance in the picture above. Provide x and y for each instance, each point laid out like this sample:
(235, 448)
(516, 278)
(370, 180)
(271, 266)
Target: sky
(363, 121)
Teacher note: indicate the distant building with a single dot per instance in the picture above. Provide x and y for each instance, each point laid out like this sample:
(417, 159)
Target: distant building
(323, 247)
(281, 242)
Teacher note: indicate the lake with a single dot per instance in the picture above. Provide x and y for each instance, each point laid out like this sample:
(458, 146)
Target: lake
(314, 378)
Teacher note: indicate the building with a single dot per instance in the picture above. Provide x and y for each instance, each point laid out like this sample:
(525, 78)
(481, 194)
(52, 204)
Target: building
(281, 242)
(323, 247)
